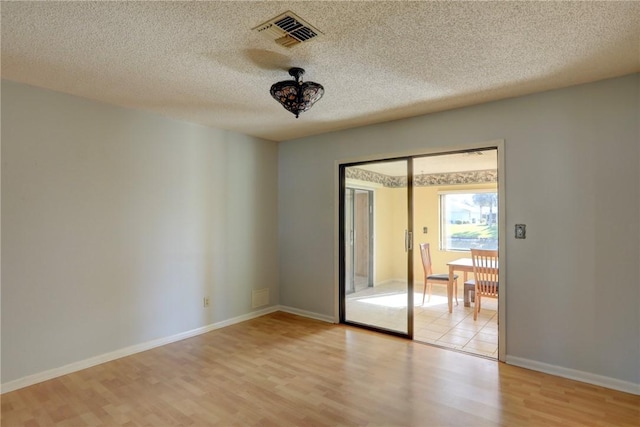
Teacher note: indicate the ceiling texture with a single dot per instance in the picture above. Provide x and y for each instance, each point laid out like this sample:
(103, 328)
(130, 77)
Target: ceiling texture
(202, 62)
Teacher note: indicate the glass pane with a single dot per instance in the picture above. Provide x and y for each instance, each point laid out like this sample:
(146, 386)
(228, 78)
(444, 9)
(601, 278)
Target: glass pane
(376, 220)
(455, 208)
(469, 220)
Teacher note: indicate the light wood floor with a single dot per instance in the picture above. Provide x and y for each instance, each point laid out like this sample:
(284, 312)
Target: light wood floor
(281, 370)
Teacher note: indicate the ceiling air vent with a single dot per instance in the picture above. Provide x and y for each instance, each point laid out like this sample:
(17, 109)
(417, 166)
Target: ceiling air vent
(288, 29)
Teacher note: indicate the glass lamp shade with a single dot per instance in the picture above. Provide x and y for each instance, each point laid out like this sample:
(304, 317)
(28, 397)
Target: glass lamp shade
(296, 96)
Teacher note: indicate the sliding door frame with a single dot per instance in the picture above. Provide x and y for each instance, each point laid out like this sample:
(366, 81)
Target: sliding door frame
(499, 145)
(342, 241)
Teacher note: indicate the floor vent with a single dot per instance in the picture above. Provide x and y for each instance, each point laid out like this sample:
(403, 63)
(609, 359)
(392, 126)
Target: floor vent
(288, 29)
(259, 297)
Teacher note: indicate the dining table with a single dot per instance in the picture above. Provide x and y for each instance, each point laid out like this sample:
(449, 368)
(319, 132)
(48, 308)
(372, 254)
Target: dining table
(464, 265)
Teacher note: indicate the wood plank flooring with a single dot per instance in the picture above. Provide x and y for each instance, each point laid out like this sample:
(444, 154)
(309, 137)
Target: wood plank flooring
(285, 370)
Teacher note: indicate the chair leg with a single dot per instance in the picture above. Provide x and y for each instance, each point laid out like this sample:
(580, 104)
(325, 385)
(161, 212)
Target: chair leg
(424, 291)
(455, 289)
(476, 307)
(430, 285)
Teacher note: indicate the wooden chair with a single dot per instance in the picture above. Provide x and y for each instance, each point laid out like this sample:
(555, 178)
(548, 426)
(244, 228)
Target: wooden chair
(430, 278)
(485, 272)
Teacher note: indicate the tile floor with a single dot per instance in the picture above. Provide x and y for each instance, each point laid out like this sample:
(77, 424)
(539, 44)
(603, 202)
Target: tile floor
(385, 306)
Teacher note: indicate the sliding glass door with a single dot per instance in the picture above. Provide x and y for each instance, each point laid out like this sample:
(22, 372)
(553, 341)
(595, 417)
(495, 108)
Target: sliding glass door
(376, 246)
(451, 200)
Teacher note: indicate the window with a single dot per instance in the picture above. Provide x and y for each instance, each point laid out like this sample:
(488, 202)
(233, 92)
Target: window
(468, 220)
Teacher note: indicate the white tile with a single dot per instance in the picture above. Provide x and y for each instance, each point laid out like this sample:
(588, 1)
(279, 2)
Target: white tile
(481, 346)
(432, 321)
(488, 338)
(462, 333)
(427, 334)
(438, 328)
(453, 339)
(446, 322)
(470, 325)
(492, 324)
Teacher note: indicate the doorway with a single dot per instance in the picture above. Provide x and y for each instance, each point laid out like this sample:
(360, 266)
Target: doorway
(359, 225)
(449, 200)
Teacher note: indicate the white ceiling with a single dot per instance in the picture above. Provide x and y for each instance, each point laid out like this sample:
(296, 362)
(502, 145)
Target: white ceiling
(378, 61)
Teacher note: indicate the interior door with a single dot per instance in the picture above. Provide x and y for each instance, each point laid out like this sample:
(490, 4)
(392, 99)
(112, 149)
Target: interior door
(387, 303)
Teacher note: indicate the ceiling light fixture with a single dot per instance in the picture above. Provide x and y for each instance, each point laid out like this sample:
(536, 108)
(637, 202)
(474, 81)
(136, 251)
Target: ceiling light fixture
(296, 96)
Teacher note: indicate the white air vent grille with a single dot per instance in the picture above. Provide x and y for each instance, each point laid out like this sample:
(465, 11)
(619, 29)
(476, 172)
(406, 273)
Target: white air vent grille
(288, 29)
(259, 297)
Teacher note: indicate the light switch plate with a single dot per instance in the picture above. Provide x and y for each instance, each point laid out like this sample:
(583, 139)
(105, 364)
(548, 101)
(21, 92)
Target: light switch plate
(521, 231)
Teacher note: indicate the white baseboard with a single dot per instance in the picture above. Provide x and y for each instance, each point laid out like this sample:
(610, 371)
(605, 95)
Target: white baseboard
(389, 281)
(586, 377)
(309, 314)
(127, 351)
(573, 374)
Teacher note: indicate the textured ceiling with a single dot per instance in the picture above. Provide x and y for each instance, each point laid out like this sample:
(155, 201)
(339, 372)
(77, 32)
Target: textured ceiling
(378, 61)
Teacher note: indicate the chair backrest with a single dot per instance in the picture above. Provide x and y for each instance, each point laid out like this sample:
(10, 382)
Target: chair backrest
(485, 271)
(426, 258)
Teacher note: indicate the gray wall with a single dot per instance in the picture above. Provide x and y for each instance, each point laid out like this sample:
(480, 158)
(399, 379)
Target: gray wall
(116, 223)
(572, 161)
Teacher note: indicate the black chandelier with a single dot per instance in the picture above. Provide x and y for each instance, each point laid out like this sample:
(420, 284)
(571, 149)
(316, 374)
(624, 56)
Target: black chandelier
(296, 96)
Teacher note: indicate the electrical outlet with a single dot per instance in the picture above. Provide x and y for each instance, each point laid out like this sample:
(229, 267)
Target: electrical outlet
(205, 302)
(521, 231)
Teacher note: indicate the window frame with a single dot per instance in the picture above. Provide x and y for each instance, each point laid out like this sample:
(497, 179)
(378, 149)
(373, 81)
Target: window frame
(442, 240)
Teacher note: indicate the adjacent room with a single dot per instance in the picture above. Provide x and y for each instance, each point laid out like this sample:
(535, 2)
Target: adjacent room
(454, 200)
(240, 213)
